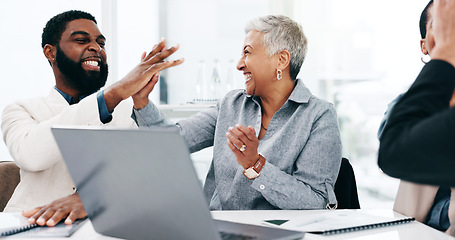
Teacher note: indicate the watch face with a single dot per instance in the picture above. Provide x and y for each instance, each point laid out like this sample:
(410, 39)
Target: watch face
(250, 173)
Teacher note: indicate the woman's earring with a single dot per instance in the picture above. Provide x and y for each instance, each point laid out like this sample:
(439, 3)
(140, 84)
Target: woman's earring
(279, 74)
(425, 61)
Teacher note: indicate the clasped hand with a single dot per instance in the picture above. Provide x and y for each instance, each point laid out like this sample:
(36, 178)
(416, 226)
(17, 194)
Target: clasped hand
(244, 144)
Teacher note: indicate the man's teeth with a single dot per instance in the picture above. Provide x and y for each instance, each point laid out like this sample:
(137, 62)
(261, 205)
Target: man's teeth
(91, 63)
(248, 77)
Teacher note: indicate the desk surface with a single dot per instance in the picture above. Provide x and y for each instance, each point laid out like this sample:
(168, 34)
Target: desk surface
(408, 231)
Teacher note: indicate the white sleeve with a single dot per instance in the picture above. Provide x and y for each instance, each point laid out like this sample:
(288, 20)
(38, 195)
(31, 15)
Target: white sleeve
(26, 128)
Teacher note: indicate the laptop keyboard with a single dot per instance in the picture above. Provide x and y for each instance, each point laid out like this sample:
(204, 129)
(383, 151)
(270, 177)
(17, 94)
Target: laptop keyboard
(235, 236)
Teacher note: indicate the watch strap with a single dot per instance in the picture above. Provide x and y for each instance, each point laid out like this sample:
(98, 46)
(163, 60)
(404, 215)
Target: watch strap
(257, 167)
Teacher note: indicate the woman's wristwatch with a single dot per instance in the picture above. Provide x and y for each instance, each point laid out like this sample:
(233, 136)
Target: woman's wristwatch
(255, 170)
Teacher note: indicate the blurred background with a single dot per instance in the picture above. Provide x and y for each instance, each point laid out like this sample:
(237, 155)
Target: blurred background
(361, 55)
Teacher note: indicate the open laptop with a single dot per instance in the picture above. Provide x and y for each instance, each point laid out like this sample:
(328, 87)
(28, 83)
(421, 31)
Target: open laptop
(141, 184)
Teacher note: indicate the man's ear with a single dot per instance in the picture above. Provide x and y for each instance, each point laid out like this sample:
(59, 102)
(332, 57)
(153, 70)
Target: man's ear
(423, 47)
(50, 52)
(284, 59)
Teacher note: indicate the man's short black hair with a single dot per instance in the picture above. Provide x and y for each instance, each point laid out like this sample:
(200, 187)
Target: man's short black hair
(55, 27)
(424, 20)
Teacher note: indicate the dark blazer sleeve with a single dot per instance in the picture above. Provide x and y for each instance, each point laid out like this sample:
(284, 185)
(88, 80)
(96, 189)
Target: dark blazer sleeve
(418, 142)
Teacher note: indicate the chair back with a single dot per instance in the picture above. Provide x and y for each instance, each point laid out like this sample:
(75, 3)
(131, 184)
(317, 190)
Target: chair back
(9, 178)
(346, 187)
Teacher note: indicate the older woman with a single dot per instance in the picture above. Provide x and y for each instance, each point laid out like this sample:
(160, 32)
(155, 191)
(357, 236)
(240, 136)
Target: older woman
(276, 146)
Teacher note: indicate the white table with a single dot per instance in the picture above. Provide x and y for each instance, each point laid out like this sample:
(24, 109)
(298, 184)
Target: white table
(407, 231)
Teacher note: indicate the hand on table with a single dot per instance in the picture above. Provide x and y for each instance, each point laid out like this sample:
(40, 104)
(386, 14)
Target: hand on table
(69, 207)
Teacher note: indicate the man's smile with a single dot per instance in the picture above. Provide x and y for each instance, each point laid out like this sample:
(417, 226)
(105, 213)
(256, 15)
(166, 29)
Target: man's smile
(91, 64)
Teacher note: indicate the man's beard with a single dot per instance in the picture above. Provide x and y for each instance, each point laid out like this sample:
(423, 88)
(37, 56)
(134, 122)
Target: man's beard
(86, 82)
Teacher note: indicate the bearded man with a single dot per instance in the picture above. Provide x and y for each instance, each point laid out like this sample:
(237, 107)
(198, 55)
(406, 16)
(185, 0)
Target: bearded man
(75, 49)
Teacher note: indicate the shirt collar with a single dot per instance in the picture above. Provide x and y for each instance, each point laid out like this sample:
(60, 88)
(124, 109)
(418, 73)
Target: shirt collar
(300, 94)
(70, 98)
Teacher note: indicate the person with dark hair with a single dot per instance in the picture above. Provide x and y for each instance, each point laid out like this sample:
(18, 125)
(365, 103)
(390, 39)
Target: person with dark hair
(55, 27)
(417, 134)
(75, 49)
(426, 44)
(275, 145)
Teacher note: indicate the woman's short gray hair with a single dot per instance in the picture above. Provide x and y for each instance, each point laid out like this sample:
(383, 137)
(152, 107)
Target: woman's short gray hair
(281, 33)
